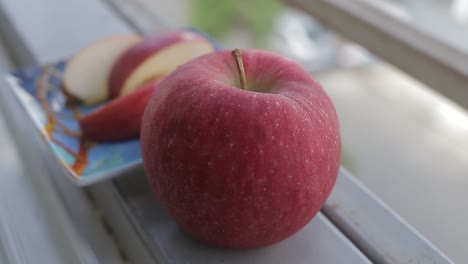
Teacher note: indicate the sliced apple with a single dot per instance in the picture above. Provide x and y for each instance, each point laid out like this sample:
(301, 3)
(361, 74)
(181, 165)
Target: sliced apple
(155, 57)
(87, 72)
(120, 119)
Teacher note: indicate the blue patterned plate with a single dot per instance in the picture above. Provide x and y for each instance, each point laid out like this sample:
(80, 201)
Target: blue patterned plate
(39, 91)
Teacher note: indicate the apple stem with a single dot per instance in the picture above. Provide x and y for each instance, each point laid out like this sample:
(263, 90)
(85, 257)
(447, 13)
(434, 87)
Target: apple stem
(237, 54)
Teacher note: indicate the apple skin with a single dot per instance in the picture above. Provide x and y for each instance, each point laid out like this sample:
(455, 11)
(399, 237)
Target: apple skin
(237, 168)
(136, 55)
(120, 119)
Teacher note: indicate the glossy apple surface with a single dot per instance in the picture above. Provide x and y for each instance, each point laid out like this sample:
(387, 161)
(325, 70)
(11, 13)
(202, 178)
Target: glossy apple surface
(120, 119)
(241, 168)
(87, 72)
(153, 58)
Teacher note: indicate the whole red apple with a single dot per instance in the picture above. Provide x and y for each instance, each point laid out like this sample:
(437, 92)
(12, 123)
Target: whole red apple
(242, 150)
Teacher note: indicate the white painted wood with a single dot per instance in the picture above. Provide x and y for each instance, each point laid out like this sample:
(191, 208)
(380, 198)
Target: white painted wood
(25, 232)
(375, 228)
(34, 227)
(18, 202)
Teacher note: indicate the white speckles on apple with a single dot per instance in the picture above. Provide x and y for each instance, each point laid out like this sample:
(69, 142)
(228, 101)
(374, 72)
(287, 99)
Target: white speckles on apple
(231, 145)
(272, 137)
(277, 103)
(170, 142)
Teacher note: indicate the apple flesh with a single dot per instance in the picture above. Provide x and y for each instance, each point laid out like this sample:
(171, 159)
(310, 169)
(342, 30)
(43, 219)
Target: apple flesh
(241, 168)
(120, 119)
(87, 72)
(155, 57)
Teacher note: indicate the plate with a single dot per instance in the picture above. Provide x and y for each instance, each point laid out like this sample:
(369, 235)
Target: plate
(39, 90)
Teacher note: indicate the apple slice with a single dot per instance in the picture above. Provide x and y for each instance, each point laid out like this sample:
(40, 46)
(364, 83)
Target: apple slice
(155, 57)
(120, 119)
(87, 72)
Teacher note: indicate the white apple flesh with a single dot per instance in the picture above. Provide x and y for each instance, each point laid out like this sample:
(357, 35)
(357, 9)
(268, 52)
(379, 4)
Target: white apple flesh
(155, 57)
(87, 72)
(241, 168)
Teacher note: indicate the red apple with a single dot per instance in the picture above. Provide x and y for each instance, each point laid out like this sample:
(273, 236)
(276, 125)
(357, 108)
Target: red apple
(86, 73)
(241, 168)
(120, 119)
(155, 57)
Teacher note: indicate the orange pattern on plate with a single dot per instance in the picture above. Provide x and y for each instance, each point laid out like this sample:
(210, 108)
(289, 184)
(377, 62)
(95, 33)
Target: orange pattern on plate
(81, 157)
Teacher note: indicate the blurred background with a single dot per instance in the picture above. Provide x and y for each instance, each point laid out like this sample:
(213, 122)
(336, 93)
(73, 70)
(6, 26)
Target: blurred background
(404, 141)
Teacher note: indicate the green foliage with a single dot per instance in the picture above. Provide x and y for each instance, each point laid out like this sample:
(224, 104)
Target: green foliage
(217, 17)
(347, 160)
